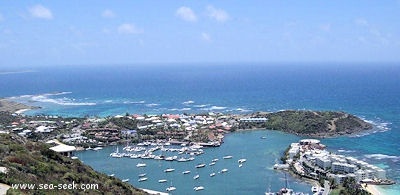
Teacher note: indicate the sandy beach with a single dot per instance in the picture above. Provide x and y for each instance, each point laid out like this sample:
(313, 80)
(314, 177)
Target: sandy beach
(372, 189)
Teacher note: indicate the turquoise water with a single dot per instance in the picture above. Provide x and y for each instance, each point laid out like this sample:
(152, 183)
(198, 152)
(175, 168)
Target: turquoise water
(254, 177)
(370, 91)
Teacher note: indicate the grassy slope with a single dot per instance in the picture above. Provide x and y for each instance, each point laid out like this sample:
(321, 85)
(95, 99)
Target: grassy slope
(32, 162)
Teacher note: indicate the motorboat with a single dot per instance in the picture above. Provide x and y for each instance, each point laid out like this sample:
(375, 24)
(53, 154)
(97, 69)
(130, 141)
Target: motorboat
(197, 188)
(200, 165)
(227, 157)
(196, 176)
(186, 172)
(162, 181)
(169, 170)
(125, 180)
(224, 171)
(241, 161)
(142, 179)
(171, 188)
(141, 165)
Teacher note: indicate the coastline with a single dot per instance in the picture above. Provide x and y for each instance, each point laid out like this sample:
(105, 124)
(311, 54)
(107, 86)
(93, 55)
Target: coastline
(372, 189)
(14, 107)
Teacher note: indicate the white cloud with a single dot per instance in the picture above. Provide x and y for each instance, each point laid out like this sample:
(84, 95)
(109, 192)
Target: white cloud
(38, 11)
(129, 29)
(187, 14)
(205, 37)
(219, 15)
(361, 22)
(108, 14)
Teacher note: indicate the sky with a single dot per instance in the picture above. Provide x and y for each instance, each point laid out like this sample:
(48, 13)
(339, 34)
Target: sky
(46, 33)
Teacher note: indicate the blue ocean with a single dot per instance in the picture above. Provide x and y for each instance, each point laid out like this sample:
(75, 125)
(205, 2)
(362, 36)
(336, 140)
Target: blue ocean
(370, 91)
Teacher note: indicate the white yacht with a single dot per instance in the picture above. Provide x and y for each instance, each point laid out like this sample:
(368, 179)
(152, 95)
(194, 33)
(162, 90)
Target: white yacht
(224, 171)
(196, 176)
(212, 174)
(162, 181)
(142, 175)
(171, 188)
(241, 161)
(227, 157)
(200, 165)
(125, 180)
(169, 170)
(141, 165)
(142, 179)
(186, 172)
(197, 188)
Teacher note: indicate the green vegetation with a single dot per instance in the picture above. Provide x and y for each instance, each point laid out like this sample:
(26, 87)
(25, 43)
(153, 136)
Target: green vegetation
(315, 123)
(33, 163)
(349, 187)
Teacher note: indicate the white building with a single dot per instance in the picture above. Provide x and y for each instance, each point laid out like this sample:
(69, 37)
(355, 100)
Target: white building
(343, 167)
(323, 163)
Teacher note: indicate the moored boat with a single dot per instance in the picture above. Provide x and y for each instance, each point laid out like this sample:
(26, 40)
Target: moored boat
(197, 188)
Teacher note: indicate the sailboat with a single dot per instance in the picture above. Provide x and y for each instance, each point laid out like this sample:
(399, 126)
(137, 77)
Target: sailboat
(285, 190)
(171, 188)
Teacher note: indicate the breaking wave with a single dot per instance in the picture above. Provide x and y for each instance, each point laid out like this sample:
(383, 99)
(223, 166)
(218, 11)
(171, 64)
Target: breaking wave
(381, 156)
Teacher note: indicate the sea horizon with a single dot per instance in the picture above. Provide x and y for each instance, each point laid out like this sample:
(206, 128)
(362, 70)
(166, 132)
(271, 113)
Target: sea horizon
(368, 92)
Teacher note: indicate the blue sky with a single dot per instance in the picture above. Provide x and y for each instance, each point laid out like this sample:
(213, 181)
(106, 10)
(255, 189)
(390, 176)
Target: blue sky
(34, 33)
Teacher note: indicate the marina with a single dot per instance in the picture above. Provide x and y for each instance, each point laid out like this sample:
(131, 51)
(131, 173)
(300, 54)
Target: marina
(223, 176)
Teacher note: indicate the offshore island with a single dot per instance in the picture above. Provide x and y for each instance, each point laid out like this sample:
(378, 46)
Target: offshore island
(32, 153)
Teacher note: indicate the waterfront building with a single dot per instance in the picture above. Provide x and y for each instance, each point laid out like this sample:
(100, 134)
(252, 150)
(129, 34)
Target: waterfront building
(323, 162)
(338, 167)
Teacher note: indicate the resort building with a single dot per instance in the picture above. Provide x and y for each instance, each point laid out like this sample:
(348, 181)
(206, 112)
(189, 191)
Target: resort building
(338, 167)
(323, 163)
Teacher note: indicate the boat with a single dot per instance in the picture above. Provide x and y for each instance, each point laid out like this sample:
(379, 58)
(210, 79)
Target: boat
(74, 157)
(125, 180)
(241, 161)
(200, 165)
(169, 170)
(285, 190)
(196, 176)
(212, 164)
(197, 188)
(112, 175)
(212, 174)
(142, 175)
(141, 165)
(314, 189)
(115, 154)
(171, 188)
(215, 160)
(224, 171)
(162, 181)
(186, 172)
(227, 157)
(240, 165)
(263, 137)
(142, 179)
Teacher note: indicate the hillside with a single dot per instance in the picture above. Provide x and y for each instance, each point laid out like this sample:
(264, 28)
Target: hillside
(33, 163)
(315, 123)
